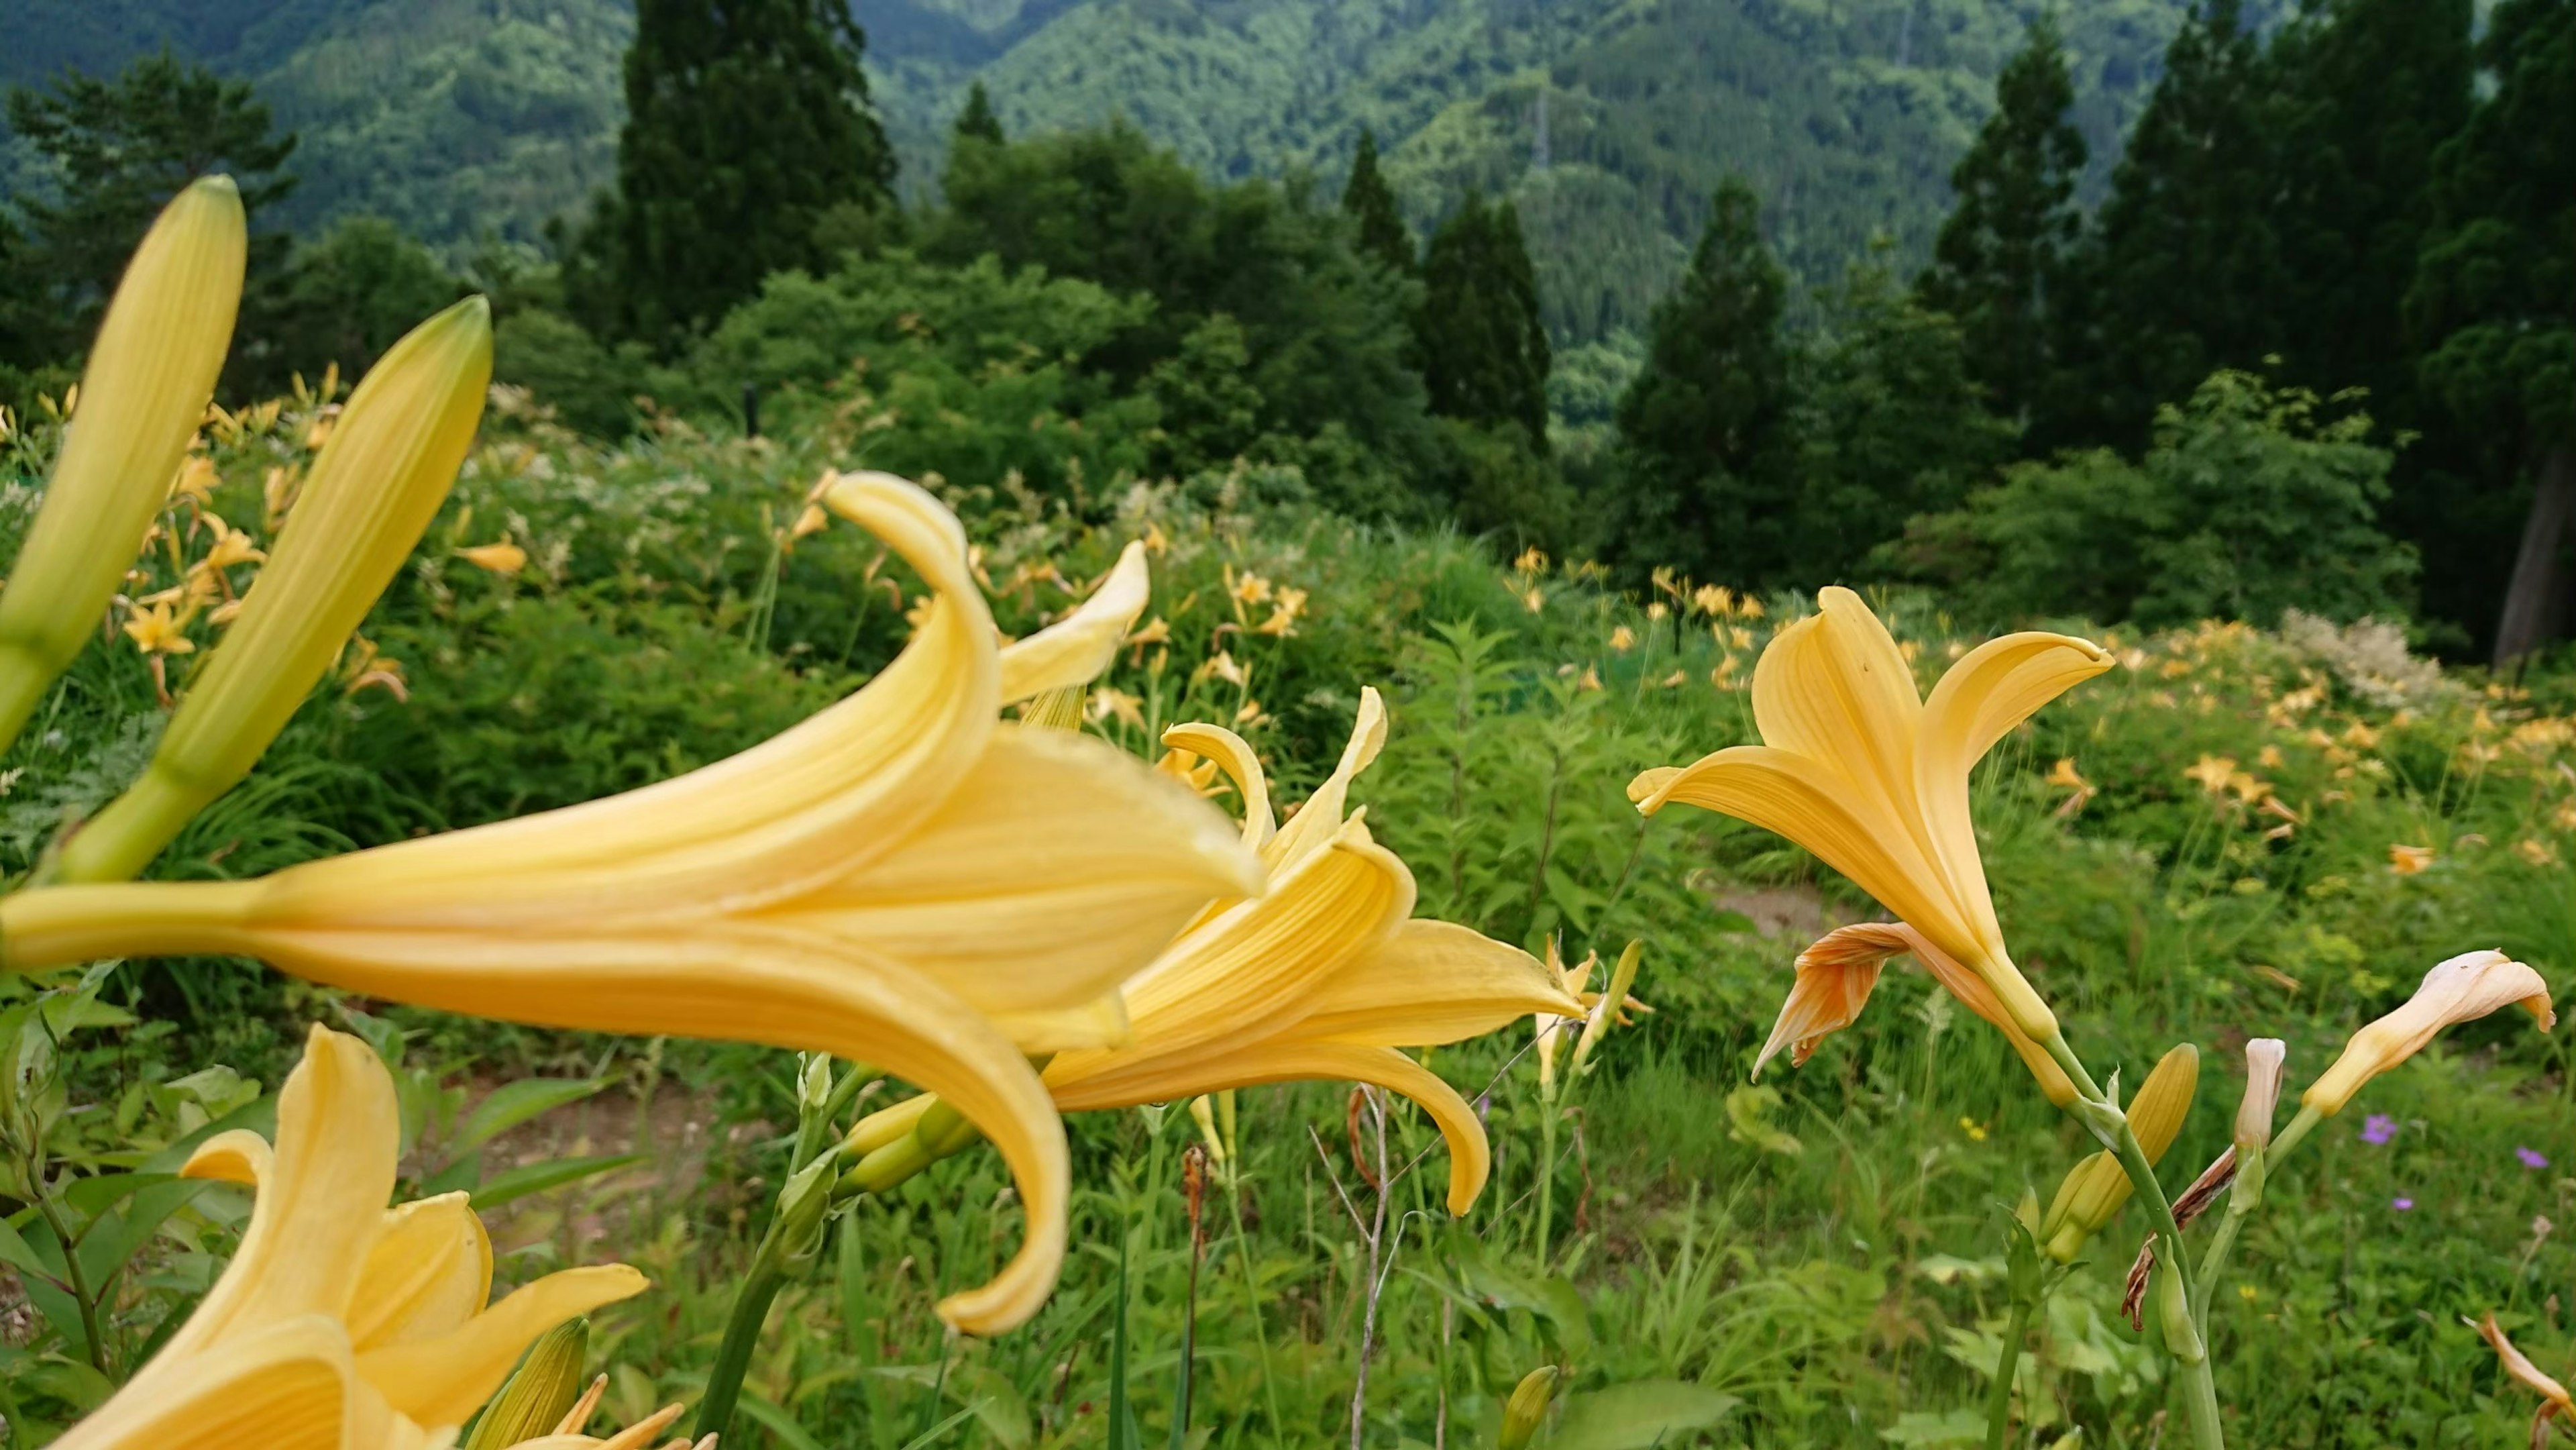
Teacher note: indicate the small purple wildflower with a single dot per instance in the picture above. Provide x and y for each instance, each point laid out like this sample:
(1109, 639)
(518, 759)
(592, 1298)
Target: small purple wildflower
(2379, 1129)
(2531, 1159)
(2402, 1205)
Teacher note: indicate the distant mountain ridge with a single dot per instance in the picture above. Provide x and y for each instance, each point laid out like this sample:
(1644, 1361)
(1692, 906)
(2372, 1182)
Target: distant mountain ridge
(467, 118)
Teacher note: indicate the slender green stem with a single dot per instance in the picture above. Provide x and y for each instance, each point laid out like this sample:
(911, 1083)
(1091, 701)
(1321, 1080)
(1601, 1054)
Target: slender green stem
(1546, 1172)
(1252, 1306)
(1999, 1399)
(2200, 1390)
(2291, 1136)
(751, 1303)
(82, 1294)
(2213, 1261)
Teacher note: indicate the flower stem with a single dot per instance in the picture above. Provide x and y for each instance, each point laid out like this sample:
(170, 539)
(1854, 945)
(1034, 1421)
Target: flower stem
(2200, 1390)
(751, 1301)
(1999, 1399)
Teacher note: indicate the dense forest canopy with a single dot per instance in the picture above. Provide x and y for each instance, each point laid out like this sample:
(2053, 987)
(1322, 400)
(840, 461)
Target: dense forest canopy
(2256, 309)
(460, 119)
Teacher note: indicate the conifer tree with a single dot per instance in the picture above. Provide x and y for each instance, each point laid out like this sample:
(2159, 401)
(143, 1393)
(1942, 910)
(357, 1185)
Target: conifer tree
(2494, 302)
(747, 121)
(1370, 202)
(1707, 470)
(118, 149)
(2001, 258)
(2371, 89)
(2186, 261)
(1484, 352)
(977, 119)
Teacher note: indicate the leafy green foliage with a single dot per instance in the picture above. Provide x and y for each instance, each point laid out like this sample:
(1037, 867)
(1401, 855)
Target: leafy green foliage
(2003, 258)
(115, 151)
(746, 123)
(1371, 205)
(1890, 425)
(2246, 506)
(2186, 259)
(1706, 428)
(1484, 354)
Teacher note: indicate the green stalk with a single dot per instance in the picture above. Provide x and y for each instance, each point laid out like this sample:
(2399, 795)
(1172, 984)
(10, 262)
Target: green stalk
(1546, 1173)
(2200, 1389)
(751, 1304)
(1999, 1399)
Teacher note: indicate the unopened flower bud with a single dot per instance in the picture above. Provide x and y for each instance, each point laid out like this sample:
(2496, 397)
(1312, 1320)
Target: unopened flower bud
(375, 487)
(545, 1385)
(149, 375)
(1527, 1407)
(2263, 1059)
(2099, 1187)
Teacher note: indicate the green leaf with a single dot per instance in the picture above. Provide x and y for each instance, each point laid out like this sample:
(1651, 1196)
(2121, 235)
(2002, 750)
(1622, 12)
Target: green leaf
(1638, 1415)
(769, 1416)
(1123, 1434)
(514, 1103)
(115, 1238)
(1949, 1427)
(462, 1172)
(519, 1182)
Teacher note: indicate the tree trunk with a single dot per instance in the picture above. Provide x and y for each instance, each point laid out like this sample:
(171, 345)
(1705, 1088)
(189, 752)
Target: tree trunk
(2535, 602)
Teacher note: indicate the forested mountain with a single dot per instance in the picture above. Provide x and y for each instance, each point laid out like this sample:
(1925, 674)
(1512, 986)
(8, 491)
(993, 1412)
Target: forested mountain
(1609, 122)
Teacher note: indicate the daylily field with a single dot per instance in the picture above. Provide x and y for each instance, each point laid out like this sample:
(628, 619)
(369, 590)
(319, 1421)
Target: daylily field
(2212, 835)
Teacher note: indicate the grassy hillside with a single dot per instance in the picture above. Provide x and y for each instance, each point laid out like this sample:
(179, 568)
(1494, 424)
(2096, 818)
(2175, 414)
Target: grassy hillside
(466, 118)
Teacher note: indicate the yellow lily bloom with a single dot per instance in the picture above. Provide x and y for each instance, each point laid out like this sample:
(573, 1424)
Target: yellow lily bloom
(2465, 987)
(149, 375)
(338, 1324)
(373, 491)
(1837, 974)
(903, 879)
(1859, 769)
(1325, 977)
(2518, 1367)
(2098, 1188)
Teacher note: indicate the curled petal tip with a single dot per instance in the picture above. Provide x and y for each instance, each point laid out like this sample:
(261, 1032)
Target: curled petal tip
(1652, 788)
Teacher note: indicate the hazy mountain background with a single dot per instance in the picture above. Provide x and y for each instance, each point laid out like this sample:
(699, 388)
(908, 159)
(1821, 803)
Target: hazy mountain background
(1609, 121)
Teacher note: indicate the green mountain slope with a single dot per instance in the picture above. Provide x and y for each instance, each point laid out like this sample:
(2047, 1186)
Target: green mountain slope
(1608, 120)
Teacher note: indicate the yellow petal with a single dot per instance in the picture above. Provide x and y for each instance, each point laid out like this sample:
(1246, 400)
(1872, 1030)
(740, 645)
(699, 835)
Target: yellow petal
(444, 1379)
(811, 804)
(1978, 996)
(1075, 649)
(2467, 986)
(781, 991)
(1321, 816)
(1429, 984)
(377, 484)
(1470, 1155)
(237, 1155)
(1834, 688)
(287, 1386)
(1241, 764)
(2519, 1366)
(1243, 976)
(320, 1202)
(1983, 697)
(1793, 796)
(150, 372)
(1835, 978)
(1056, 848)
(430, 1271)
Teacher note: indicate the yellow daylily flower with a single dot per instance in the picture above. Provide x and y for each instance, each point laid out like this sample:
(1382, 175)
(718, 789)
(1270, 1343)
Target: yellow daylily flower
(903, 879)
(2554, 1400)
(149, 374)
(373, 491)
(2461, 989)
(1326, 976)
(338, 1323)
(1872, 778)
(499, 557)
(1838, 972)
